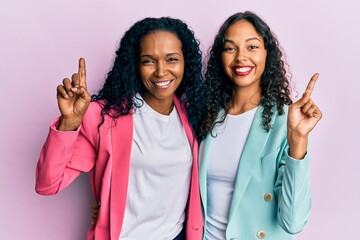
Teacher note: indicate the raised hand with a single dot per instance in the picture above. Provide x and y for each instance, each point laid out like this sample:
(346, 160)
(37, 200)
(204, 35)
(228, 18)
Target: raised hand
(73, 99)
(302, 118)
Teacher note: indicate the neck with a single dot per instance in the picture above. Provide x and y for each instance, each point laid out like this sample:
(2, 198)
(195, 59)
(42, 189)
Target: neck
(163, 106)
(244, 100)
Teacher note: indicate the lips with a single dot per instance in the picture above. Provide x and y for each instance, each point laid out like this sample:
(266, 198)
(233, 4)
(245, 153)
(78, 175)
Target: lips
(162, 84)
(242, 71)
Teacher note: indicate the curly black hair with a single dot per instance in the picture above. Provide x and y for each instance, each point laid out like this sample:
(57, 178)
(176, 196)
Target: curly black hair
(274, 83)
(123, 81)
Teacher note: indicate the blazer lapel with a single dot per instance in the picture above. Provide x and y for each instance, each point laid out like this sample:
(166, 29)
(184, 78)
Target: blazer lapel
(203, 158)
(182, 114)
(249, 159)
(121, 135)
(194, 214)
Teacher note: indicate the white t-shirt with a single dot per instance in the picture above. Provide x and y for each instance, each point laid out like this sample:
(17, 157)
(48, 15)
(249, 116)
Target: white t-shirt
(224, 156)
(159, 178)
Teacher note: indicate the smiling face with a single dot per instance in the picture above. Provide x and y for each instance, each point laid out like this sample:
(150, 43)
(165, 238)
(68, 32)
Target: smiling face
(244, 56)
(161, 68)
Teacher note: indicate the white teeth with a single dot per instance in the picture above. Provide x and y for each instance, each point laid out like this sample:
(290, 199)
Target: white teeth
(242, 69)
(162, 84)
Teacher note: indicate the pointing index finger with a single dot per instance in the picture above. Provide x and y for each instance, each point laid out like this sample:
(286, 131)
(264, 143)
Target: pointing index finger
(311, 84)
(82, 72)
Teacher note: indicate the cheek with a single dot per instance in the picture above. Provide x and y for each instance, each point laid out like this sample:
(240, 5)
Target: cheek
(223, 59)
(144, 73)
(260, 61)
(178, 71)
(226, 60)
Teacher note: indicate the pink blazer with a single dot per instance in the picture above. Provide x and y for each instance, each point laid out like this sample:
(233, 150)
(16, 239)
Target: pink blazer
(65, 155)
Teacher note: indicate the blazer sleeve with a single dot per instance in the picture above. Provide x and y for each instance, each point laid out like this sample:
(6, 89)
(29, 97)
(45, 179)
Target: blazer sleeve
(64, 156)
(292, 189)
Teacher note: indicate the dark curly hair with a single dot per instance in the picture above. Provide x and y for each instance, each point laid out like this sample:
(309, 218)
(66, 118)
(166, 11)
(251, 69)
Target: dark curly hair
(123, 81)
(274, 84)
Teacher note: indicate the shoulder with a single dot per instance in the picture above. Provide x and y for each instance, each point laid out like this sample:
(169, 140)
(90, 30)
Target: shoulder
(283, 116)
(181, 109)
(93, 113)
(179, 105)
(286, 109)
(94, 109)
(279, 120)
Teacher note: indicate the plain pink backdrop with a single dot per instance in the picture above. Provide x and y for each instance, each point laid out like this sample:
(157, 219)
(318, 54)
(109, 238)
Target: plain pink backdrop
(41, 41)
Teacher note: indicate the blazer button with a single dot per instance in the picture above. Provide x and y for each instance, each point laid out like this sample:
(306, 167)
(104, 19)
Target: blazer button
(261, 234)
(268, 197)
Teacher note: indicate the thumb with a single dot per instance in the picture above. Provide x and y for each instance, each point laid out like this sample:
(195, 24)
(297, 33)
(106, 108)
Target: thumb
(81, 92)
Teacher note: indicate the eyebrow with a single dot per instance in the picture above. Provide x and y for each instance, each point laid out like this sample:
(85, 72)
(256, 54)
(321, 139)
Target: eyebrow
(167, 55)
(247, 40)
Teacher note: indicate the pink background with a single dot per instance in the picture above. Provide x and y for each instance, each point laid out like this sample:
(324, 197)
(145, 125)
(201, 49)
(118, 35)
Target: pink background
(41, 41)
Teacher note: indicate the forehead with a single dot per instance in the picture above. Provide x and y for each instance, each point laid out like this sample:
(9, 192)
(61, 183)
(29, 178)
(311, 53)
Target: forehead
(242, 29)
(160, 41)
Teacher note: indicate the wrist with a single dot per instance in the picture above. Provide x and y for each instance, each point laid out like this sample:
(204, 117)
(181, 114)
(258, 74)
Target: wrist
(66, 124)
(297, 145)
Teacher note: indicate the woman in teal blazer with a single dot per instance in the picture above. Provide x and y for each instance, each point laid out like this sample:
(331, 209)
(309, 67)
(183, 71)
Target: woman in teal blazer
(268, 194)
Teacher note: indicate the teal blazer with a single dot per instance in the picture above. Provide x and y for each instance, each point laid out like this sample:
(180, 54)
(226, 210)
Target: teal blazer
(271, 198)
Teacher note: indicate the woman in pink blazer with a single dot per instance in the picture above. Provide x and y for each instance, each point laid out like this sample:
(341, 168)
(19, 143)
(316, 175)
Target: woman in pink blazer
(144, 176)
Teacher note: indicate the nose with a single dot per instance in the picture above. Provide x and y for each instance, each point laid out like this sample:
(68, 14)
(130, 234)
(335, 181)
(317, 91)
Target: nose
(240, 56)
(160, 70)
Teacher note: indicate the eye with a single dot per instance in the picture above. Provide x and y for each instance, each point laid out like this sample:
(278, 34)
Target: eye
(172, 59)
(229, 49)
(252, 47)
(147, 61)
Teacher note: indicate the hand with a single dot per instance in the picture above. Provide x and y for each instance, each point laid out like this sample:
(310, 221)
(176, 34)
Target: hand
(95, 213)
(73, 99)
(302, 118)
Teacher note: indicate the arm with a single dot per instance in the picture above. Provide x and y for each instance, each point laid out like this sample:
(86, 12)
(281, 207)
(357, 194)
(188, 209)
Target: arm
(64, 156)
(292, 189)
(293, 182)
(68, 149)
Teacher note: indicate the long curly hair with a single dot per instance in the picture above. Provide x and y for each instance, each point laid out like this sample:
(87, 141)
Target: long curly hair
(123, 81)
(274, 83)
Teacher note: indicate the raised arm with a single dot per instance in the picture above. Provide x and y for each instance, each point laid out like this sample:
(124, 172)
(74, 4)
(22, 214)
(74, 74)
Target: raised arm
(69, 149)
(302, 118)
